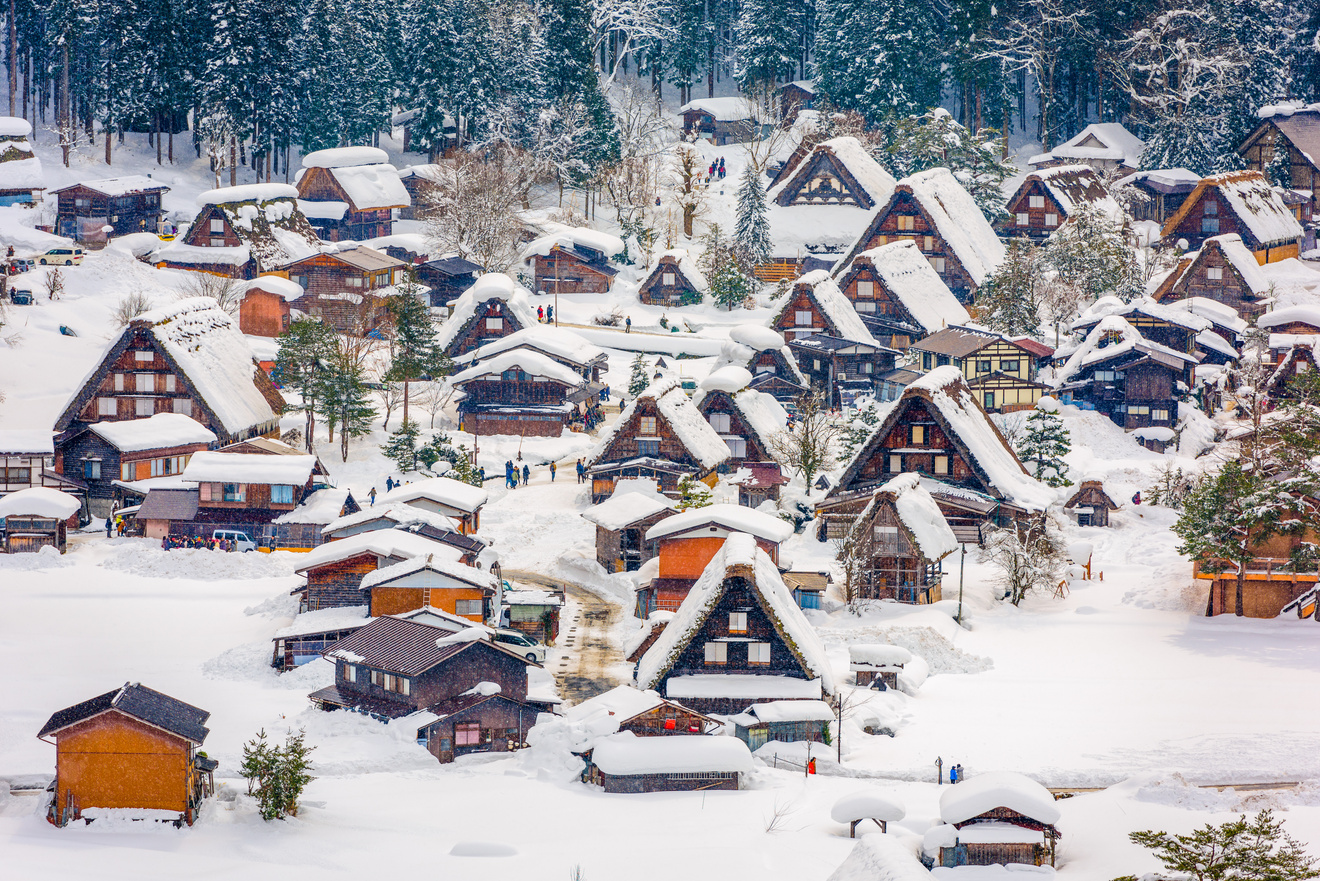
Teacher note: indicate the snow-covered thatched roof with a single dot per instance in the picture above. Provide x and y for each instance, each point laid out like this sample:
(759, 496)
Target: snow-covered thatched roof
(265, 217)
(998, 789)
(917, 512)
(1072, 186)
(855, 165)
(364, 174)
(685, 262)
(155, 432)
(724, 109)
(673, 405)
(1113, 337)
(908, 276)
(491, 286)
(1258, 207)
(834, 306)
(559, 343)
(534, 363)
(1098, 141)
(739, 556)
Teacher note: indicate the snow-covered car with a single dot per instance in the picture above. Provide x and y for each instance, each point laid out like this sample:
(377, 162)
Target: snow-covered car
(516, 641)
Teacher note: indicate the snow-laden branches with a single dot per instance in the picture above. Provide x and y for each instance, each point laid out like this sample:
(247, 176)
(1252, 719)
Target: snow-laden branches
(629, 22)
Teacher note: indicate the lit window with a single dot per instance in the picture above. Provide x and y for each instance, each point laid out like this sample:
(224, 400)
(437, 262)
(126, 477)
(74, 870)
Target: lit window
(868, 367)
(758, 653)
(646, 425)
(866, 289)
(941, 464)
(895, 463)
(106, 407)
(717, 653)
(905, 222)
(737, 622)
(720, 422)
(1159, 415)
(918, 434)
(815, 363)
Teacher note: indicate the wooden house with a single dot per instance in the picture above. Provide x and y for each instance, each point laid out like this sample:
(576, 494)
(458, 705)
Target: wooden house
(37, 517)
(883, 663)
(521, 393)
(27, 459)
(641, 713)
(1240, 202)
(132, 749)
(817, 306)
(838, 171)
(900, 538)
(409, 518)
(721, 120)
(108, 455)
(335, 570)
(807, 587)
(1164, 189)
(1000, 371)
(933, 210)
(264, 309)
(1178, 329)
(494, 307)
(242, 232)
(421, 182)
(311, 633)
(447, 278)
(1106, 147)
(434, 580)
(758, 482)
(187, 358)
(899, 296)
(660, 435)
(559, 344)
(625, 763)
(350, 193)
(686, 543)
(737, 639)
(347, 289)
(21, 179)
(795, 97)
(303, 528)
(774, 369)
(459, 695)
(1090, 505)
(534, 613)
(1223, 269)
(939, 430)
(456, 500)
(1295, 132)
(1132, 380)
(804, 721)
(1045, 200)
(676, 280)
(125, 204)
(745, 419)
(622, 522)
(572, 260)
(840, 369)
(996, 817)
(1294, 334)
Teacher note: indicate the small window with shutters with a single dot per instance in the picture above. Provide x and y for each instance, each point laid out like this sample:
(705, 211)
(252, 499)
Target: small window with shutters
(937, 263)
(140, 356)
(758, 654)
(119, 382)
(667, 279)
(717, 653)
(802, 317)
(494, 324)
(106, 407)
(895, 463)
(886, 539)
(906, 222)
(866, 290)
(169, 382)
(1022, 218)
(867, 306)
(918, 435)
(941, 464)
(720, 422)
(1035, 201)
(183, 405)
(144, 406)
(1051, 220)
(145, 382)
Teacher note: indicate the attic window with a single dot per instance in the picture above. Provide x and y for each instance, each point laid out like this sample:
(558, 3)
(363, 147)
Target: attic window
(144, 356)
(906, 223)
(646, 425)
(217, 225)
(1209, 206)
(1051, 220)
(1035, 201)
(866, 289)
(720, 422)
(737, 622)
(667, 279)
(1214, 273)
(886, 538)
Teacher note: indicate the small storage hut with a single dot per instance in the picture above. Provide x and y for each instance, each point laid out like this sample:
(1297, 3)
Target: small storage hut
(38, 517)
(1090, 505)
(625, 762)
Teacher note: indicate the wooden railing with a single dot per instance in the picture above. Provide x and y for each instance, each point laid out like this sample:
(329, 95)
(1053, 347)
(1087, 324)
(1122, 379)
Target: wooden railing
(1258, 569)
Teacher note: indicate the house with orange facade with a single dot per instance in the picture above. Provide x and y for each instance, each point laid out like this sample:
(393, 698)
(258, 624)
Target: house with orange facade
(264, 309)
(129, 749)
(687, 542)
(335, 569)
(433, 580)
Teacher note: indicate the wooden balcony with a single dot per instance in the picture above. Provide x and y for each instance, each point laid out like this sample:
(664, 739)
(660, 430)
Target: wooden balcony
(1259, 569)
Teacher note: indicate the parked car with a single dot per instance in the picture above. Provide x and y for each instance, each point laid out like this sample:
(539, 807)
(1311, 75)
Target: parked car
(19, 265)
(518, 642)
(67, 256)
(241, 541)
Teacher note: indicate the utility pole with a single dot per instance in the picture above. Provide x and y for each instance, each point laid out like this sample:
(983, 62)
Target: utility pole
(962, 567)
(554, 251)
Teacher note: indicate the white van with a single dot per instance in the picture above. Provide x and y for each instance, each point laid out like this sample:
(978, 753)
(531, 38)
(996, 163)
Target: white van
(67, 256)
(516, 641)
(241, 541)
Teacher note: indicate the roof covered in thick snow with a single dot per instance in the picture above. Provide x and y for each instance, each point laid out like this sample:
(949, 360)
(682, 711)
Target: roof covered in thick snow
(756, 337)
(724, 109)
(626, 754)
(120, 186)
(207, 466)
(28, 441)
(1258, 207)
(570, 237)
(399, 513)
(559, 343)
(998, 789)
(370, 185)
(854, 161)
(1306, 314)
(1099, 140)
(918, 513)
(155, 432)
(837, 309)
(534, 363)
(631, 501)
(881, 858)
(605, 712)
(739, 556)
(438, 563)
(1113, 337)
(386, 543)
(959, 221)
(491, 286)
(1073, 186)
(909, 277)
(40, 501)
(684, 419)
(729, 518)
(444, 491)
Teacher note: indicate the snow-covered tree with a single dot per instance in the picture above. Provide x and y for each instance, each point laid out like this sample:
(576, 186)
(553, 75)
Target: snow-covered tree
(401, 447)
(1028, 560)
(304, 350)
(730, 285)
(751, 234)
(768, 38)
(1091, 253)
(1043, 444)
(345, 397)
(1009, 299)
(682, 178)
(1236, 849)
(414, 349)
(473, 207)
(640, 377)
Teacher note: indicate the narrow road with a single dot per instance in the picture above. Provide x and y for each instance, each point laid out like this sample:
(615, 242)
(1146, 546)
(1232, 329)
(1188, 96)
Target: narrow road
(581, 665)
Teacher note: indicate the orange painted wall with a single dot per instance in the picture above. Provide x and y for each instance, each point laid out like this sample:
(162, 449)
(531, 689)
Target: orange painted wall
(397, 600)
(113, 761)
(688, 557)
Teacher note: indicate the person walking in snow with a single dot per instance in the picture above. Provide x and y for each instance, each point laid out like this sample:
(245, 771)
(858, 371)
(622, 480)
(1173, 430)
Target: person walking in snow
(580, 470)
(109, 524)
(953, 774)
(389, 484)
(527, 473)
(552, 472)
(605, 393)
(372, 495)
(627, 324)
(540, 313)
(549, 314)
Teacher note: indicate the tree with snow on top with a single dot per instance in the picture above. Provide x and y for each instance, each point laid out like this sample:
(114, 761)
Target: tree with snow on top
(1043, 445)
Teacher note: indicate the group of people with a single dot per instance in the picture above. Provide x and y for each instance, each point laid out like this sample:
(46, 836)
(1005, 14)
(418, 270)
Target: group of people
(170, 542)
(956, 773)
(545, 314)
(581, 471)
(716, 170)
(511, 474)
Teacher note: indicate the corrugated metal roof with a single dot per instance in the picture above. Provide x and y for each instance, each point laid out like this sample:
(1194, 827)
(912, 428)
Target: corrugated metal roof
(405, 647)
(169, 504)
(139, 702)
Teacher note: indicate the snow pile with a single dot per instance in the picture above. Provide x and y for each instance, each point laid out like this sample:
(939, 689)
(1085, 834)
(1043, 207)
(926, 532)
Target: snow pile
(603, 714)
(658, 618)
(625, 754)
(485, 689)
(469, 634)
(482, 849)
(207, 466)
(371, 187)
(908, 276)
(39, 501)
(880, 858)
(145, 558)
(48, 557)
(27, 441)
(867, 806)
(868, 656)
(756, 337)
(339, 157)
(247, 193)
(1306, 314)
(15, 127)
(729, 379)
(731, 519)
(928, 647)
(442, 491)
(275, 284)
(156, 432)
(998, 789)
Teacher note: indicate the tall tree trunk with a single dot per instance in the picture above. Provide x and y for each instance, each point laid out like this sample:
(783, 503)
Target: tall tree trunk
(65, 121)
(109, 140)
(13, 58)
(1241, 576)
(405, 401)
(233, 161)
(171, 136)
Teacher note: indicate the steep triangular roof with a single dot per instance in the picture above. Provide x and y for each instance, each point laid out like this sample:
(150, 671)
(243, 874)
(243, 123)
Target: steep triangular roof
(466, 309)
(667, 400)
(264, 217)
(863, 179)
(1099, 140)
(1239, 258)
(1257, 206)
(913, 283)
(1072, 186)
(738, 557)
(203, 345)
(1301, 127)
(678, 260)
(763, 415)
(969, 429)
(841, 319)
(918, 515)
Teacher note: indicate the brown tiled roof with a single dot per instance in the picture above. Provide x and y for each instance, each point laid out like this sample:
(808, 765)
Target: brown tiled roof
(169, 504)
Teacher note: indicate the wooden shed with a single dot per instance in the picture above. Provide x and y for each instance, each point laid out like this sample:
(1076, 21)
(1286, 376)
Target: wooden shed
(132, 748)
(676, 280)
(721, 120)
(21, 178)
(622, 521)
(38, 517)
(1090, 505)
(784, 721)
(265, 306)
(626, 763)
(900, 539)
(996, 817)
(573, 260)
(872, 663)
(125, 204)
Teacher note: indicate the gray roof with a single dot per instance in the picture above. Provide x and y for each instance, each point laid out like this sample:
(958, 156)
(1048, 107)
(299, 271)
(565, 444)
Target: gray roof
(405, 647)
(142, 703)
(169, 504)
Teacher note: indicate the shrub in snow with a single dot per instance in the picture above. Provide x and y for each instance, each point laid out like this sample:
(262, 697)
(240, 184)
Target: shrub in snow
(277, 775)
(1027, 562)
(1259, 848)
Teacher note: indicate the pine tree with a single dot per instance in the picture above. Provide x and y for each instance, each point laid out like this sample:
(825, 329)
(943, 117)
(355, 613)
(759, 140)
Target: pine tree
(729, 284)
(346, 401)
(640, 378)
(293, 772)
(1009, 299)
(912, 144)
(752, 232)
(1090, 252)
(768, 38)
(304, 351)
(693, 494)
(416, 354)
(1043, 445)
(1237, 849)
(401, 448)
